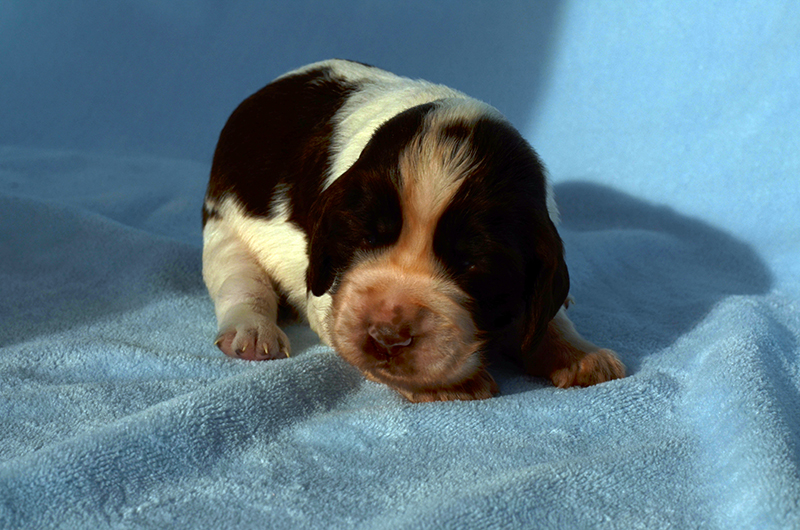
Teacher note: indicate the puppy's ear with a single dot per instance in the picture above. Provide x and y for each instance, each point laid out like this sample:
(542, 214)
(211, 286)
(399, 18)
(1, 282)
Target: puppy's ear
(359, 211)
(335, 231)
(549, 287)
(320, 273)
(323, 259)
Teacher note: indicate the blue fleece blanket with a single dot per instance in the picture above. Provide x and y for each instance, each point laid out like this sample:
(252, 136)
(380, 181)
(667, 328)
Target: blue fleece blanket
(671, 131)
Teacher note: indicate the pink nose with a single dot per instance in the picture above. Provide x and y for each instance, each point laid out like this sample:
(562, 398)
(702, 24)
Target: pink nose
(390, 336)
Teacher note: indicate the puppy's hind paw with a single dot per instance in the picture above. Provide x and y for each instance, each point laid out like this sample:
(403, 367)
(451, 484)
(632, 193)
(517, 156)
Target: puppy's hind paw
(254, 343)
(591, 369)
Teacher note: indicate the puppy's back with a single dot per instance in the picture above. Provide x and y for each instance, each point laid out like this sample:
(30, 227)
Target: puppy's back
(278, 135)
(291, 139)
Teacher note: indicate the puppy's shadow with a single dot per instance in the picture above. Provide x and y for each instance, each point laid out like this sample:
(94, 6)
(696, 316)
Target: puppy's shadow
(643, 275)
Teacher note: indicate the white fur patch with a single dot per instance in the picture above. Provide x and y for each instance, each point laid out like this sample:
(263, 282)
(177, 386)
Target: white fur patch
(380, 97)
(278, 246)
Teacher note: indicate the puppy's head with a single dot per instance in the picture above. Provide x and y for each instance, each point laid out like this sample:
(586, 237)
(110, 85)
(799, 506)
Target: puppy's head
(436, 245)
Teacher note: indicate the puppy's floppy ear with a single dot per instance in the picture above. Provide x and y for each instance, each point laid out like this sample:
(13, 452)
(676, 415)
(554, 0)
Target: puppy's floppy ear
(337, 228)
(548, 286)
(323, 255)
(359, 211)
(321, 270)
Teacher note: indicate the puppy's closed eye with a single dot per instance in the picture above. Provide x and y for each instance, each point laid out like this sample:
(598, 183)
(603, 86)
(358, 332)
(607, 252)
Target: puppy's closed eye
(380, 232)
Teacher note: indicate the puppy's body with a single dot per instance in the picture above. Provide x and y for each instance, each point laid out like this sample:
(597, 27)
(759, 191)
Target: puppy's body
(410, 224)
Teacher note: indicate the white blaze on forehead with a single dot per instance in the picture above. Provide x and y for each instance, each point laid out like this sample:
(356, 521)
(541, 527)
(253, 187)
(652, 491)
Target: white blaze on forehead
(435, 164)
(432, 168)
(380, 96)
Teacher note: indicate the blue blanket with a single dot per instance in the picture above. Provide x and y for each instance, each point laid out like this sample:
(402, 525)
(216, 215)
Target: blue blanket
(671, 132)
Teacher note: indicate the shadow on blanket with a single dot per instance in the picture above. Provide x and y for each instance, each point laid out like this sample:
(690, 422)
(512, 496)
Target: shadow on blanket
(643, 275)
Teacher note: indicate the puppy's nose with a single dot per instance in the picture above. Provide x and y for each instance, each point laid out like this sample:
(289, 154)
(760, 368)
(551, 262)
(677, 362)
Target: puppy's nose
(390, 336)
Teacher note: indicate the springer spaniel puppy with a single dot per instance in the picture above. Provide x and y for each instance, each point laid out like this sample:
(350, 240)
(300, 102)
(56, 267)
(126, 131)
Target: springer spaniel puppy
(409, 223)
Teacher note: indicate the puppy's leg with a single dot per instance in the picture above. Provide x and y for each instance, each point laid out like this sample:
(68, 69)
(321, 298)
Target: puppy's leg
(244, 297)
(568, 359)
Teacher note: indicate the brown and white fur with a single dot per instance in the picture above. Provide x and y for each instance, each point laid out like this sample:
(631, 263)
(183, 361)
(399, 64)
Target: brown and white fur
(411, 225)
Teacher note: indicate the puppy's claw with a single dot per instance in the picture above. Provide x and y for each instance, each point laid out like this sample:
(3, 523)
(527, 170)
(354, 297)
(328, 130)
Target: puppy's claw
(265, 355)
(253, 344)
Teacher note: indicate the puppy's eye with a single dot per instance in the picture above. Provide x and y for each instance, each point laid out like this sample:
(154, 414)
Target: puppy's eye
(468, 266)
(379, 234)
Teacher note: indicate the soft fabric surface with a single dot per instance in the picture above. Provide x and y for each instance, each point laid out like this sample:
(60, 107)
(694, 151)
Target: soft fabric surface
(671, 131)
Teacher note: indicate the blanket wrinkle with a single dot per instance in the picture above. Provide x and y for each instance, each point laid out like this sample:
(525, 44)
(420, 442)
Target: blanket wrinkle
(761, 408)
(77, 266)
(158, 444)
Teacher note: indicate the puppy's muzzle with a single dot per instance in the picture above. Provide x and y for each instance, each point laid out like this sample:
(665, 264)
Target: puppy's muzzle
(393, 326)
(398, 325)
(391, 338)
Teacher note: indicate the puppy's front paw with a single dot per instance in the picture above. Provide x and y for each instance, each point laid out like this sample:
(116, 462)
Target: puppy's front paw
(254, 342)
(591, 369)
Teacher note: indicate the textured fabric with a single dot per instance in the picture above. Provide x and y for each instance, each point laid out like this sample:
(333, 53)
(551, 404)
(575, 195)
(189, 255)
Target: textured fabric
(670, 130)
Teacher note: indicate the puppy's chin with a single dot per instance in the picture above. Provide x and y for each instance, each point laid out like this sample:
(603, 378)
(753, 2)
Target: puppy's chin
(409, 331)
